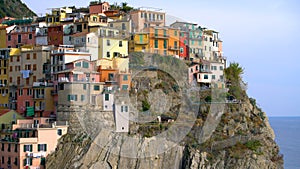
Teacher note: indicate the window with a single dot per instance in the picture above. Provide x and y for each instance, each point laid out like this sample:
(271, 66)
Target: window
(28, 56)
(82, 98)
(85, 64)
(78, 64)
(34, 55)
(165, 33)
(156, 32)
(108, 54)
(30, 36)
(125, 77)
(185, 42)
(156, 43)
(84, 86)
(19, 38)
(124, 108)
(28, 161)
(165, 44)
(8, 147)
(20, 92)
(72, 97)
(181, 50)
(205, 76)
(8, 37)
(108, 42)
(59, 132)
(175, 33)
(124, 87)
(175, 44)
(106, 97)
(10, 68)
(16, 161)
(221, 67)
(123, 26)
(213, 77)
(34, 67)
(16, 147)
(29, 93)
(42, 147)
(96, 87)
(28, 148)
(120, 44)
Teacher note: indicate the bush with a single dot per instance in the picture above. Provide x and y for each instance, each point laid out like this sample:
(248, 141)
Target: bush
(145, 105)
(253, 145)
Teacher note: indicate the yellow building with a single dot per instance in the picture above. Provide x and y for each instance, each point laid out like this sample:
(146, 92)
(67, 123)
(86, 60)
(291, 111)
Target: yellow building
(2, 36)
(57, 15)
(139, 42)
(104, 42)
(4, 83)
(42, 99)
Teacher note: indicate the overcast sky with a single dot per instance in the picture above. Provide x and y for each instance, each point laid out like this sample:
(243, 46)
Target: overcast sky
(262, 35)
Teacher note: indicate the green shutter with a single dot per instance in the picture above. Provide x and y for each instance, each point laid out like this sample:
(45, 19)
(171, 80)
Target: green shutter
(30, 148)
(69, 97)
(39, 147)
(30, 161)
(165, 33)
(45, 147)
(29, 111)
(82, 97)
(141, 38)
(156, 32)
(165, 44)
(24, 148)
(155, 43)
(24, 162)
(84, 86)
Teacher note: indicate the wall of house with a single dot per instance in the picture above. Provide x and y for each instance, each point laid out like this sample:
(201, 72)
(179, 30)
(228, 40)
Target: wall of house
(173, 40)
(122, 117)
(3, 37)
(112, 47)
(55, 35)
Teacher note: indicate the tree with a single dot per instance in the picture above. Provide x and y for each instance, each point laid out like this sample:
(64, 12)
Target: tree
(233, 76)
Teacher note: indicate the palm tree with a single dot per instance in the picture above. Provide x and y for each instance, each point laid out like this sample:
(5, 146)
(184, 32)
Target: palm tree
(234, 72)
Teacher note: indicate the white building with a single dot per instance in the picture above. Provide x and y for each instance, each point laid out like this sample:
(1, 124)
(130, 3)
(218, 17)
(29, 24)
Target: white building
(121, 112)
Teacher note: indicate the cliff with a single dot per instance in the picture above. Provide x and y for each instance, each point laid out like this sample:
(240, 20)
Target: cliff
(14, 8)
(218, 135)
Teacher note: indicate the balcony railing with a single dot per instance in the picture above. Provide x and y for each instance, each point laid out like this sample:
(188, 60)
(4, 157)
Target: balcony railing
(54, 92)
(173, 48)
(144, 42)
(160, 36)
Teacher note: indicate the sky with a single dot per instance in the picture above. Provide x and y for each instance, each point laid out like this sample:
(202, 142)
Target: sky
(262, 36)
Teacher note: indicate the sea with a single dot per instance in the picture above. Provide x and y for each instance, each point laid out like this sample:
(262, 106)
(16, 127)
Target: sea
(287, 131)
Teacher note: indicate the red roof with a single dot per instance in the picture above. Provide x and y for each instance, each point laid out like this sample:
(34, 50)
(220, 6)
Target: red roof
(4, 111)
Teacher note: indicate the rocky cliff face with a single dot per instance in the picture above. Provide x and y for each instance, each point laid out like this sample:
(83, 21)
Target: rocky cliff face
(243, 139)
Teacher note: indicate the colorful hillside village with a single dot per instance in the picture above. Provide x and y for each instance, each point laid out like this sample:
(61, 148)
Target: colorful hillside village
(77, 57)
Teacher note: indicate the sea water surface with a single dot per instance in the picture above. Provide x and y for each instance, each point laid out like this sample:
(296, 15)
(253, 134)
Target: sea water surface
(287, 131)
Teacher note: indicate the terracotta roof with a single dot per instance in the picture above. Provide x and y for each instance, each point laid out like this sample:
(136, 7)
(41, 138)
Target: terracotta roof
(80, 34)
(4, 111)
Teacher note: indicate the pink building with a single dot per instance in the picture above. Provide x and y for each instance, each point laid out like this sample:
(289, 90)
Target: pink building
(27, 143)
(193, 70)
(18, 35)
(99, 8)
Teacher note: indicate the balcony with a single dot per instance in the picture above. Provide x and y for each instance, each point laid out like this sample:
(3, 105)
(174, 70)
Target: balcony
(144, 42)
(63, 79)
(54, 92)
(153, 20)
(173, 48)
(40, 96)
(159, 36)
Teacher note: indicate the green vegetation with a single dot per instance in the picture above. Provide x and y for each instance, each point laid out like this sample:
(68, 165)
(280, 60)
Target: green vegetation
(15, 8)
(234, 78)
(122, 7)
(145, 105)
(253, 145)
